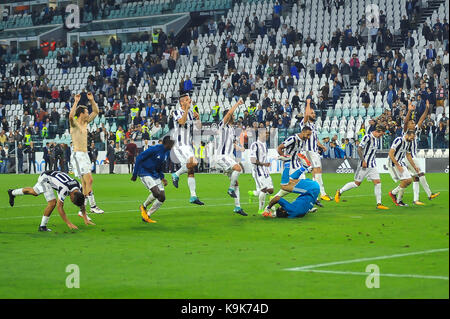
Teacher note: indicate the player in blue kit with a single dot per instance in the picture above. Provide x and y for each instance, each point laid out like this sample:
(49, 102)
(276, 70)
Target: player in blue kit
(308, 189)
(149, 167)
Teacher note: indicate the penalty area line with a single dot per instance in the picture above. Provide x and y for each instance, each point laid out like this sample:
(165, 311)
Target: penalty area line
(335, 272)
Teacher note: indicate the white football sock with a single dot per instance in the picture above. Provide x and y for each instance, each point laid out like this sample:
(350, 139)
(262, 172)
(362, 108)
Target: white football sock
(183, 169)
(91, 199)
(262, 200)
(149, 200)
(400, 194)
(191, 184)
(377, 190)
(318, 179)
(396, 190)
(348, 187)
(416, 187)
(156, 205)
(423, 182)
(44, 220)
(233, 178)
(281, 193)
(237, 200)
(18, 192)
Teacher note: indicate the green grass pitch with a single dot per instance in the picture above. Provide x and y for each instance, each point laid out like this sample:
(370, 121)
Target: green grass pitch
(209, 252)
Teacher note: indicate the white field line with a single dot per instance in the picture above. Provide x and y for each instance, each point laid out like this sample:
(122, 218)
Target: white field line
(366, 274)
(311, 268)
(205, 199)
(430, 251)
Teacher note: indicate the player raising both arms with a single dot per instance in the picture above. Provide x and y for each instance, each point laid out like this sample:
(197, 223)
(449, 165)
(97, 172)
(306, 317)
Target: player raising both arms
(310, 147)
(64, 186)
(182, 134)
(79, 118)
(401, 148)
(260, 170)
(149, 167)
(417, 176)
(224, 155)
(367, 167)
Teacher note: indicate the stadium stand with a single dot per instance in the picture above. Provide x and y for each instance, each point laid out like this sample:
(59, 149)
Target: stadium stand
(273, 55)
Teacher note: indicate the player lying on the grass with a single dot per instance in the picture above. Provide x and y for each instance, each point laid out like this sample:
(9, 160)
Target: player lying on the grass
(401, 148)
(64, 186)
(79, 118)
(260, 170)
(308, 191)
(417, 177)
(184, 120)
(310, 148)
(149, 168)
(225, 158)
(367, 167)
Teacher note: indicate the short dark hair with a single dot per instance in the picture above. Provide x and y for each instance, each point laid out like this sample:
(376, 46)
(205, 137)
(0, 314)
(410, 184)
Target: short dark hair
(78, 198)
(380, 128)
(167, 139)
(183, 95)
(306, 128)
(80, 109)
(410, 132)
(281, 212)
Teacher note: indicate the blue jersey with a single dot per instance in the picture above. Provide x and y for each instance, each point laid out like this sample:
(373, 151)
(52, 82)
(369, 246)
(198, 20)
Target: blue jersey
(150, 162)
(308, 190)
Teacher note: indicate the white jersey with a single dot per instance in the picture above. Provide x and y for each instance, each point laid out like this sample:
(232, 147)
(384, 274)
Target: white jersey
(62, 183)
(258, 150)
(225, 145)
(293, 146)
(401, 147)
(182, 134)
(311, 144)
(370, 144)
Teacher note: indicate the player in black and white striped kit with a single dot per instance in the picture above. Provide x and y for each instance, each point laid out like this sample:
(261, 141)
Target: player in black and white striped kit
(224, 155)
(182, 133)
(311, 149)
(417, 177)
(260, 170)
(367, 167)
(64, 186)
(401, 149)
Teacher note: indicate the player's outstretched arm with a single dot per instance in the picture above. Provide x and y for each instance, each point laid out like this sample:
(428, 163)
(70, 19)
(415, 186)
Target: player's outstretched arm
(411, 161)
(95, 109)
(227, 117)
(73, 109)
(63, 215)
(424, 115)
(308, 111)
(411, 108)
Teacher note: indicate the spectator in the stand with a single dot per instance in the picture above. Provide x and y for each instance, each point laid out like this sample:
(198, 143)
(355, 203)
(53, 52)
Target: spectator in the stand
(110, 154)
(345, 71)
(194, 48)
(187, 86)
(431, 53)
(336, 92)
(20, 158)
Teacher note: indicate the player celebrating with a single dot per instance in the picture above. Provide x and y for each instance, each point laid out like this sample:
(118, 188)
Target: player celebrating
(224, 155)
(401, 148)
(289, 152)
(182, 134)
(420, 176)
(367, 167)
(79, 118)
(149, 166)
(260, 171)
(311, 149)
(64, 186)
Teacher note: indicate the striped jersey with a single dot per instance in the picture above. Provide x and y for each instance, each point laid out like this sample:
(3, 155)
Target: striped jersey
(225, 145)
(182, 134)
(62, 183)
(370, 144)
(401, 147)
(414, 143)
(258, 150)
(311, 144)
(293, 145)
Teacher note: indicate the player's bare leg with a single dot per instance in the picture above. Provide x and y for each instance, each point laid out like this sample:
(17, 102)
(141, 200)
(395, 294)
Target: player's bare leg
(12, 193)
(317, 176)
(87, 182)
(236, 171)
